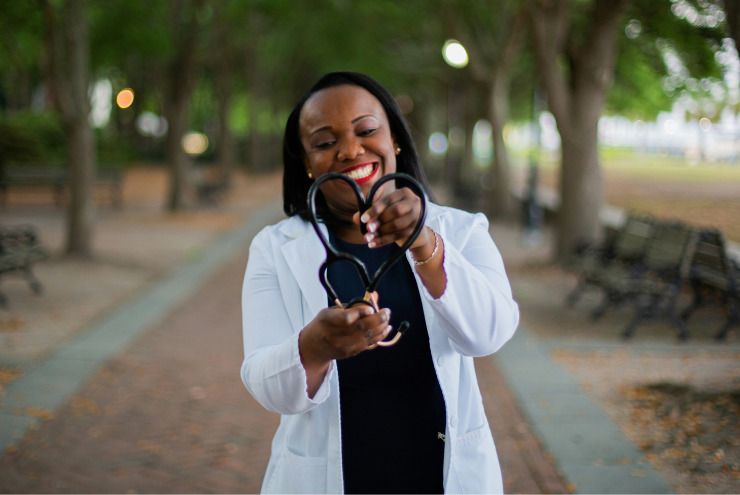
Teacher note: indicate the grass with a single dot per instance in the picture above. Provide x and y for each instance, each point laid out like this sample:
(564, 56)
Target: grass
(702, 194)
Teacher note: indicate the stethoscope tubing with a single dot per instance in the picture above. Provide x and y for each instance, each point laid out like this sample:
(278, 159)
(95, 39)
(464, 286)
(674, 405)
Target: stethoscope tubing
(333, 255)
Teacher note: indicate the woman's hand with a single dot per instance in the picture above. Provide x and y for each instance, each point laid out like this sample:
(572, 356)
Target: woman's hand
(392, 218)
(337, 333)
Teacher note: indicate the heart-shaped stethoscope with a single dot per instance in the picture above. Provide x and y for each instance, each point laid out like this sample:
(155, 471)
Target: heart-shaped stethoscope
(334, 256)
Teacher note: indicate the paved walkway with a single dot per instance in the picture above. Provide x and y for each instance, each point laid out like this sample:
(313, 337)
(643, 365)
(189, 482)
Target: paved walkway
(148, 398)
(143, 394)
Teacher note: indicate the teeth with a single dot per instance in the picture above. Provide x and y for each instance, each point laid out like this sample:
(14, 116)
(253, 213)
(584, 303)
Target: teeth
(360, 173)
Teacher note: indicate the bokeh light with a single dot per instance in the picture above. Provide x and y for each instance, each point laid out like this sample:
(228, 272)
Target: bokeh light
(125, 98)
(195, 143)
(454, 54)
(438, 143)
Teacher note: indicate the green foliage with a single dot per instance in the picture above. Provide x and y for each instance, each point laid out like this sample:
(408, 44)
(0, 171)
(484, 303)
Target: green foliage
(21, 37)
(274, 49)
(112, 152)
(32, 137)
(661, 56)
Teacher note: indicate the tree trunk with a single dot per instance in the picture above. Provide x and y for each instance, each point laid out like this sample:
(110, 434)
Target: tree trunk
(732, 12)
(576, 77)
(225, 152)
(180, 85)
(501, 201)
(224, 63)
(81, 208)
(68, 75)
(176, 113)
(581, 188)
(455, 127)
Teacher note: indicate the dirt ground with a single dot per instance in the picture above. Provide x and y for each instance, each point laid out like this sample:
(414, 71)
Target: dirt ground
(133, 247)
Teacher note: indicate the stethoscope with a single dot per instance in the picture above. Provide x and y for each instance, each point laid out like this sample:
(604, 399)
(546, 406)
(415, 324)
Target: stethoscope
(334, 256)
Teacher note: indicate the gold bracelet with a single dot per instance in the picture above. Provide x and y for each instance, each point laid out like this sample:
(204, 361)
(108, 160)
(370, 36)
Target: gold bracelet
(434, 252)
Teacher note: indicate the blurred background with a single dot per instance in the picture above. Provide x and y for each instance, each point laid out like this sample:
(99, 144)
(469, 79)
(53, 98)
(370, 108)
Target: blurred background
(135, 132)
(590, 92)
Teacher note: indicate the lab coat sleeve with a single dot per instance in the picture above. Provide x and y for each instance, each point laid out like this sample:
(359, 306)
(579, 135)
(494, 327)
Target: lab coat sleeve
(272, 369)
(477, 309)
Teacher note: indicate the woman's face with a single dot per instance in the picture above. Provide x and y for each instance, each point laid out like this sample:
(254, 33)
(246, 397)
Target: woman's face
(345, 129)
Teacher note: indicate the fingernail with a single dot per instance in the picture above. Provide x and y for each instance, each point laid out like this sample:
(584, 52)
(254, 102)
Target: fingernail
(387, 331)
(369, 237)
(371, 244)
(364, 218)
(372, 226)
(387, 314)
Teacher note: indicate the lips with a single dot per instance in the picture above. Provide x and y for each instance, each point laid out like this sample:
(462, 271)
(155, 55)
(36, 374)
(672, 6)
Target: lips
(362, 172)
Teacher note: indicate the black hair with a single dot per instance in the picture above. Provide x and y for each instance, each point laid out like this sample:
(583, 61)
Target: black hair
(295, 181)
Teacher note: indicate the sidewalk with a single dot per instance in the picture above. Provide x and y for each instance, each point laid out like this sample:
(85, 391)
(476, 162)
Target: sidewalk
(157, 404)
(649, 415)
(142, 394)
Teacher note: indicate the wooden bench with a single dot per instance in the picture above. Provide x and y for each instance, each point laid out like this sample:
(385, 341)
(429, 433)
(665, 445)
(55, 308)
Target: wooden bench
(57, 178)
(645, 264)
(622, 251)
(714, 276)
(655, 292)
(19, 250)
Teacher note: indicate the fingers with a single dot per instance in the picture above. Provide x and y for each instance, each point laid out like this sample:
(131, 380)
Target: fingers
(374, 328)
(347, 332)
(392, 218)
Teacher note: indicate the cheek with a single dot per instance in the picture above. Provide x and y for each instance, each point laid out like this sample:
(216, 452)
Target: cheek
(390, 162)
(316, 163)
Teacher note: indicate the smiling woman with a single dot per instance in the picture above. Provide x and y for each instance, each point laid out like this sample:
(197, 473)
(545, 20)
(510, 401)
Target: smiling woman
(400, 419)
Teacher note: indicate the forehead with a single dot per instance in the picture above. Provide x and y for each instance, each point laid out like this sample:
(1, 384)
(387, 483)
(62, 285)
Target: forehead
(339, 104)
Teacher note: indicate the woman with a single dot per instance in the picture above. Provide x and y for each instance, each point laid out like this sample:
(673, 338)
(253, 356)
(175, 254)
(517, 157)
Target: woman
(401, 419)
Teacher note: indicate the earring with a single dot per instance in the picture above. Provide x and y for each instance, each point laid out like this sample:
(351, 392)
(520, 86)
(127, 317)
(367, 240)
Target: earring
(398, 150)
(308, 172)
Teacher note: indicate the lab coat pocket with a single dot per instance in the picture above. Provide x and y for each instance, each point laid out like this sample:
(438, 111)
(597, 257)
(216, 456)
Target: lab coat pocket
(477, 465)
(298, 474)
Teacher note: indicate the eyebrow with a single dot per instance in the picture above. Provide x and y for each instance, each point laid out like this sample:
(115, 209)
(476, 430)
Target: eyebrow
(354, 121)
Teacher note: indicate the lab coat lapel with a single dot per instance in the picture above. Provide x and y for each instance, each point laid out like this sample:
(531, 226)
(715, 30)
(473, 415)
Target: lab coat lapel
(303, 255)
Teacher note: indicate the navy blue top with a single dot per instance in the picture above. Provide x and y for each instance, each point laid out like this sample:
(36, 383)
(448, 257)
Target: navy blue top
(392, 408)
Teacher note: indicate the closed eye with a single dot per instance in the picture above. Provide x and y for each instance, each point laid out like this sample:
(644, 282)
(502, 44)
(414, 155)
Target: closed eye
(324, 145)
(367, 132)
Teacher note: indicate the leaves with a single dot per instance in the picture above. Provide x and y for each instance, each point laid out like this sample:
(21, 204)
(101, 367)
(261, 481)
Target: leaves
(695, 430)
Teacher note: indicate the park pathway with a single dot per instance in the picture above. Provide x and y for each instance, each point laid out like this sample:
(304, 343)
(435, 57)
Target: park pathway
(168, 414)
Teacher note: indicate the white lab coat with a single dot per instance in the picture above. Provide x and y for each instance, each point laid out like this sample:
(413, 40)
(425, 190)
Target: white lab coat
(475, 316)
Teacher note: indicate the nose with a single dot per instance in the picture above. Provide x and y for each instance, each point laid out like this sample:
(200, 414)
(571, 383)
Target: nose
(349, 149)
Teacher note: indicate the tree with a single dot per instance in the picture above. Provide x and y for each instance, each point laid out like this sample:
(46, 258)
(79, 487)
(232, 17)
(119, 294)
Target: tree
(187, 23)
(68, 69)
(493, 37)
(732, 10)
(663, 54)
(576, 54)
(21, 44)
(230, 45)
